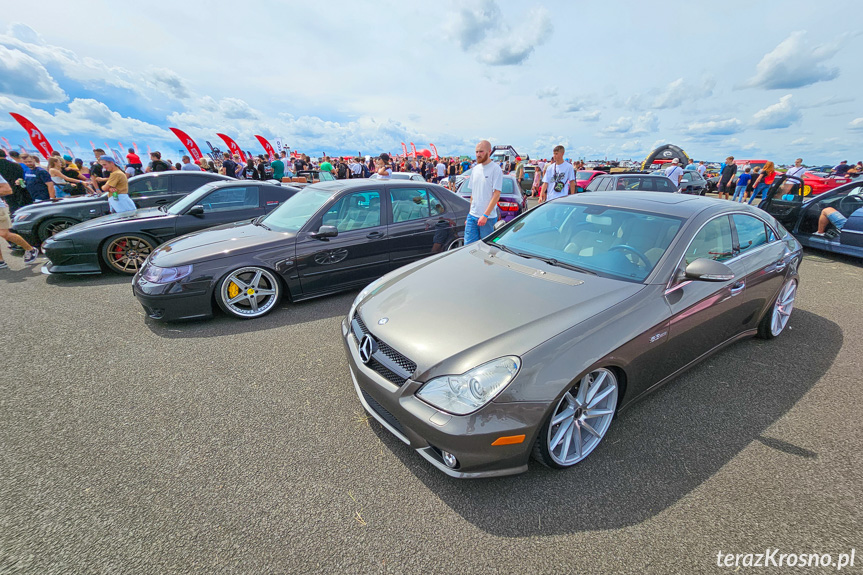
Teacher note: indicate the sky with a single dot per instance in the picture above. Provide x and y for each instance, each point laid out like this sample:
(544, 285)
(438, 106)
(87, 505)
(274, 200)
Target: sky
(755, 80)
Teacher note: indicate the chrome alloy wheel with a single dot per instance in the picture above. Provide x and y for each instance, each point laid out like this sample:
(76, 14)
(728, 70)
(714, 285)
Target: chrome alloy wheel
(249, 292)
(783, 307)
(126, 254)
(580, 421)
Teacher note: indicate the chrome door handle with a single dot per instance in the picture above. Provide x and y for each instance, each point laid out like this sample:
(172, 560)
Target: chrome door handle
(737, 288)
(781, 266)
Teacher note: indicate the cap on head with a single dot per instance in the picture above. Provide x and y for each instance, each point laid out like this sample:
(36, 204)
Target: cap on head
(67, 157)
(675, 161)
(107, 158)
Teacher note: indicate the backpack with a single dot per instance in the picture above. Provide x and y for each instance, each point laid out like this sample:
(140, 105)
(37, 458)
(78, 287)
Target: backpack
(160, 166)
(365, 168)
(343, 171)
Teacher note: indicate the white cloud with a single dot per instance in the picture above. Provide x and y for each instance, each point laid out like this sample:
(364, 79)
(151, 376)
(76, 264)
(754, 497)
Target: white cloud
(856, 124)
(780, 115)
(547, 92)
(479, 27)
(23, 76)
(592, 116)
(715, 127)
(795, 63)
(801, 142)
(680, 92)
(644, 124)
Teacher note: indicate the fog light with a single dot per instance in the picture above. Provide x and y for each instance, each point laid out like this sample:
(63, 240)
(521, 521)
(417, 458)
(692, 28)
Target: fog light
(449, 459)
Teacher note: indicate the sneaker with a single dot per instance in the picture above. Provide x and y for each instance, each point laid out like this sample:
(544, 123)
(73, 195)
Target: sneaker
(31, 255)
(819, 234)
(4, 265)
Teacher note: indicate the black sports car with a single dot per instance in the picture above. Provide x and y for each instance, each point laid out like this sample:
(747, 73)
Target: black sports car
(123, 241)
(41, 220)
(329, 237)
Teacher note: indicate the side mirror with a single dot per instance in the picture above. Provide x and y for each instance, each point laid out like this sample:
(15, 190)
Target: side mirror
(196, 211)
(707, 270)
(325, 232)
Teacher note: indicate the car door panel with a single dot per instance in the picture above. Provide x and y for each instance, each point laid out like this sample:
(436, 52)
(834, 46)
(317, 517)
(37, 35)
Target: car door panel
(765, 259)
(784, 201)
(415, 238)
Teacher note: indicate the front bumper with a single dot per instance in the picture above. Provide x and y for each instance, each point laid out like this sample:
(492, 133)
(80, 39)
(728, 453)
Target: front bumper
(429, 430)
(173, 301)
(27, 231)
(65, 257)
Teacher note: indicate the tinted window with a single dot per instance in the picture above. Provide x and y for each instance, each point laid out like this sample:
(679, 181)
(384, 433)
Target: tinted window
(751, 232)
(508, 187)
(436, 206)
(594, 184)
(148, 186)
(713, 241)
(409, 204)
(292, 215)
(355, 211)
(627, 183)
(189, 183)
(664, 185)
(233, 198)
(647, 184)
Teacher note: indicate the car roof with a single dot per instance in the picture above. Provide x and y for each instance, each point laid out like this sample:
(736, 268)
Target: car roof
(180, 174)
(677, 205)
(234, 182)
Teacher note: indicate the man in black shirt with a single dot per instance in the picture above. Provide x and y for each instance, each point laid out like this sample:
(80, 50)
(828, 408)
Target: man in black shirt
(12, 173)
(97, 176)
(229, 165)
(726, 177)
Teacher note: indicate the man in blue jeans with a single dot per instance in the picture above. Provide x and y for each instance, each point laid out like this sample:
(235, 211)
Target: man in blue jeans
(486, 181)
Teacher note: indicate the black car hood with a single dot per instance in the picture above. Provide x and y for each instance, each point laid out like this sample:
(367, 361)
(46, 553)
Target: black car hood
(52, 206)
(137, 215)
(219, 242)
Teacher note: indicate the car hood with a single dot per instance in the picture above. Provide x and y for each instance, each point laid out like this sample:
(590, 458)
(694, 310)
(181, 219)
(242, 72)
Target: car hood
(138, 215)
(452, 313)
(51, 206)
(218, 242)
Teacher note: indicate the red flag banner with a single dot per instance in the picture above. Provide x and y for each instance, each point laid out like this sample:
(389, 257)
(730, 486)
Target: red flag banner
(35, 134)
(404, 150)
(434, 150)
(413, 151)
(232, 146)
(190, 144)
(8, 145)
(267, 146)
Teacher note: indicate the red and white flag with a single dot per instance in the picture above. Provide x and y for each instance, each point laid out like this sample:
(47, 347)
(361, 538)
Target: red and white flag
(36, 135)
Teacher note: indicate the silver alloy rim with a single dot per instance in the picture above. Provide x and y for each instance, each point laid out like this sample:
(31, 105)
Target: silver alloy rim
(783, 307)
(456, 244)
(257, 291)
(582, 417)
(127, 254)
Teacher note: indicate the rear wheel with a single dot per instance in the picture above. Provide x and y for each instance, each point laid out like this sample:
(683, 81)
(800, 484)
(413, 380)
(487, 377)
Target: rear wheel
(775, 320)
(125, 254)
(249, 292)
(53, 225)
(579, 421)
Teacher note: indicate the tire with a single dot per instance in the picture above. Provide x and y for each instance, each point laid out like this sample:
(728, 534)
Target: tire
(125, 253)
(776, 319)
(240, 294)
(53, 225)
(581, 418)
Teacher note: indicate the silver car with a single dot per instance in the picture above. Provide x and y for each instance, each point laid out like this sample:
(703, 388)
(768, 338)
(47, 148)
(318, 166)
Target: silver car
(628, 290)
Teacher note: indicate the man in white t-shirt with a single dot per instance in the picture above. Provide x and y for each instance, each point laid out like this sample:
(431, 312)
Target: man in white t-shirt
(441, 170)
(797, 170)
(486, 182)
(675, 172)
(701, 168)
(559, 178)
(30, 252)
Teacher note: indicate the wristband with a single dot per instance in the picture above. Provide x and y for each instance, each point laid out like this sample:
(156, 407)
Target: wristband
(486, 216)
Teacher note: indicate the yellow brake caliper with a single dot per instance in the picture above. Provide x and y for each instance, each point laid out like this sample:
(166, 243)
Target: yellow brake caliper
(233, 290)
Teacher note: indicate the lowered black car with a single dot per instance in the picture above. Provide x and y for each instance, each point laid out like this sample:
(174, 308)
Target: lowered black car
(41, 220)
(123, 241)
(329, 237)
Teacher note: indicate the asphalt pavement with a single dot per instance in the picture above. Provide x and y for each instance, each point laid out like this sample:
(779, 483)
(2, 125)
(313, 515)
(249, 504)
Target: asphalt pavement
(226, 446)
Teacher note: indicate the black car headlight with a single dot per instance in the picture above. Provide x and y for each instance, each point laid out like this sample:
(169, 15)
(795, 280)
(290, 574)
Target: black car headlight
(20, 217)
(157, 275)
(465, 393)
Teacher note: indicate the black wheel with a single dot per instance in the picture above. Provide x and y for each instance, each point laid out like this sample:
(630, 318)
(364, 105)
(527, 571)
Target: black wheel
(125, 253)
(774, 321)
(53, 225)
(249, 292)
(579, 421)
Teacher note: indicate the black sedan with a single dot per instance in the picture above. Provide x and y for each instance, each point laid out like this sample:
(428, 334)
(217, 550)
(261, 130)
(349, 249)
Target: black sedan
(122, 242)
(41, 220)
(329, 237)
(789, 200)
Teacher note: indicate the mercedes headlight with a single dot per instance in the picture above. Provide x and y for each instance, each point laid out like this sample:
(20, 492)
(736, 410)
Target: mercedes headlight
(465, 393)
(158, 275)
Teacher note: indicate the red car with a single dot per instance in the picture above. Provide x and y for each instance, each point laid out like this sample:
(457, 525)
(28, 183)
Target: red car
(823, 183)
(584, 177)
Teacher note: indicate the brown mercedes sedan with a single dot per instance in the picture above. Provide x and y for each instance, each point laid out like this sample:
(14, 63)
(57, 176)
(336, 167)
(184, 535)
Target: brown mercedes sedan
(627, 290)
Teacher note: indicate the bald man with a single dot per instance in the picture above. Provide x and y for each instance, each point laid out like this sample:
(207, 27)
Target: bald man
(486, 181)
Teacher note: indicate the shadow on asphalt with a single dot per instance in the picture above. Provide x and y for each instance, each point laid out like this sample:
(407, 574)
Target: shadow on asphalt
(813, 255)
(89, 280)
(660, 449)
(286, 314)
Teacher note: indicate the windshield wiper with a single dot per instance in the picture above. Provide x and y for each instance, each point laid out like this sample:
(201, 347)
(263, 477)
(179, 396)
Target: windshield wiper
(560, 264)
(257, 222)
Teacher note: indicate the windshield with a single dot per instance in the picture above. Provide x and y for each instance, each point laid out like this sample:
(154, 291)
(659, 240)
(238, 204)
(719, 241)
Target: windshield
(193, 198)
(581, 175)
(508, 188)
(293, 214)
(611, 242)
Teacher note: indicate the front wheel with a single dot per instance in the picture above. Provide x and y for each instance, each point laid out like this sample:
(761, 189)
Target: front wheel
(777, 317)
(125, 253)
(579, 421)
(53, 225)
(249, 292)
